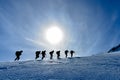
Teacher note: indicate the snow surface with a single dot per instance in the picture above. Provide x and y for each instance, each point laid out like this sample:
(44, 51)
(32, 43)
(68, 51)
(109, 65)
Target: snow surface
(97, 67)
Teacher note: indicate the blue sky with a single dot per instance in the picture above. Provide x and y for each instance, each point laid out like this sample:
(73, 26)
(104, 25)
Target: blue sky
(90, 26)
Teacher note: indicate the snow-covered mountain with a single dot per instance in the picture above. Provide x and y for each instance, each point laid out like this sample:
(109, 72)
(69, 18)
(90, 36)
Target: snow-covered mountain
(114, 49)
(97, 67)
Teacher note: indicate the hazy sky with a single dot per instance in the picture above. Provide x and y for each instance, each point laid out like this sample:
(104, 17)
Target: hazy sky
(89, 26)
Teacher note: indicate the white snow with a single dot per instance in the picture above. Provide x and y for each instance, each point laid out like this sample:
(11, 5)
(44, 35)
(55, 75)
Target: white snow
(97, 67)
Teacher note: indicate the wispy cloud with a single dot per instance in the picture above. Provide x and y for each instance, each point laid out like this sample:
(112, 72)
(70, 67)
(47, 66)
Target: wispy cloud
(39, 43)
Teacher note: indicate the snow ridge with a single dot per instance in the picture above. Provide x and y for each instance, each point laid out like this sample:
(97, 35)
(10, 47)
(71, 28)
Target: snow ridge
(97, 67)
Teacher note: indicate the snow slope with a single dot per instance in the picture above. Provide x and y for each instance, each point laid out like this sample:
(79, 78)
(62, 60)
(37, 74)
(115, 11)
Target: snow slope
(97, 67)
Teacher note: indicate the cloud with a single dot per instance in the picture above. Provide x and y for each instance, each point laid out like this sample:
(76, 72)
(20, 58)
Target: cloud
(36, 42)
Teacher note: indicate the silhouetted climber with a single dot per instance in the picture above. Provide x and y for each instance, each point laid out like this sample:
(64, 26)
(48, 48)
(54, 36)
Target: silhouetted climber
(37, 54)
(43, 54)
(71, 52)
(51, 54)
(58, 54)
(66, 53)
(18, 54)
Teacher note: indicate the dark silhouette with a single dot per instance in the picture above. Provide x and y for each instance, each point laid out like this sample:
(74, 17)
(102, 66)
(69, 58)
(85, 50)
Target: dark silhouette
(18, 54)
(37, 54)
(112, 50)
(116, 48)
(43, 54)
(51, 54)
(66, 53)
(72, 52)
(58, 54)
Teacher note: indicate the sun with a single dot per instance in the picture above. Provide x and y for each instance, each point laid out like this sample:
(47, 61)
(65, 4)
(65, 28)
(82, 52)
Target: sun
(54, 35)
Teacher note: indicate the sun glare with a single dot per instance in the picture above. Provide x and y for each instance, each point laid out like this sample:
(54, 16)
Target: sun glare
(54, 35)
